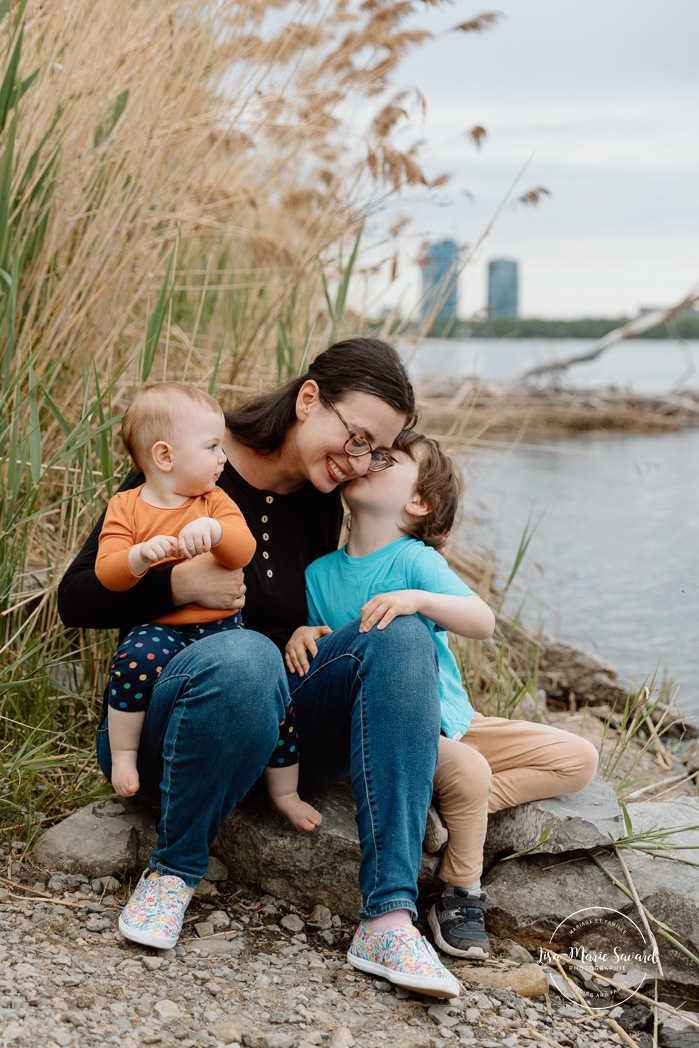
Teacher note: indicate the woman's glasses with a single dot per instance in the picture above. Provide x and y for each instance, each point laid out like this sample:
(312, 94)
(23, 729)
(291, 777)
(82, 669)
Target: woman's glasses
(356, 445)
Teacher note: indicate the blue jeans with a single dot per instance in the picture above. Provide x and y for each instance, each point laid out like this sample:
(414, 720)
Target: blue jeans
(368, 706)
(211, 724)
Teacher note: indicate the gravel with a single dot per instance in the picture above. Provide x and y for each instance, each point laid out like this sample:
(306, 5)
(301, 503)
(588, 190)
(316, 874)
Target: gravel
(248, 972)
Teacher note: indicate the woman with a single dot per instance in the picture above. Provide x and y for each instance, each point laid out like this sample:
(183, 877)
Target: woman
(369, 707)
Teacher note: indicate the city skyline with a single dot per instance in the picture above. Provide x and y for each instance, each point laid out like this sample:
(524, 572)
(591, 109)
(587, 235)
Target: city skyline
(601, 112)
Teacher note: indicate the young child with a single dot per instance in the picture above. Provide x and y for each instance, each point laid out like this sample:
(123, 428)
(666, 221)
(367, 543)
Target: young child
(174, 434)
(389, 567)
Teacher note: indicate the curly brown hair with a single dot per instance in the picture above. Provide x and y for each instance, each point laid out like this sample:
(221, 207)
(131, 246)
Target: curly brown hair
(439, 485)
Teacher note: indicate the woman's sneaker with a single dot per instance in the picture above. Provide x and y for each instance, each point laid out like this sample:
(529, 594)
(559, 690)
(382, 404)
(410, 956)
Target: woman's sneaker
(405, 958)
(457, 921)
(154, 914)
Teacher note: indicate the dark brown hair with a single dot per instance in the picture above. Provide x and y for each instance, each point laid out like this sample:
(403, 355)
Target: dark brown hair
(358, 365)
(158, 412)
(438, 484)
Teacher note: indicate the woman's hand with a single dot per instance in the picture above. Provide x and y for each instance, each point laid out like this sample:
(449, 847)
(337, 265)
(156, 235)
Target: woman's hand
(202, 580)
(300, 645)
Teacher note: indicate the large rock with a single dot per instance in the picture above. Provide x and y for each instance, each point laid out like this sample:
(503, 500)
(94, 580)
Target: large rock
(587, 819)
(261, 850)
(577, 676)
(112, 836)
(530, 897)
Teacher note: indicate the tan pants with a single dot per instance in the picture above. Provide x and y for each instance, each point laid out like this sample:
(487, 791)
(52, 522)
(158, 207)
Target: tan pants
(497, 764)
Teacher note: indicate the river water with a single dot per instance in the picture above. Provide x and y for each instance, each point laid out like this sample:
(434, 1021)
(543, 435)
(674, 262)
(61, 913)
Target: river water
(613, 563)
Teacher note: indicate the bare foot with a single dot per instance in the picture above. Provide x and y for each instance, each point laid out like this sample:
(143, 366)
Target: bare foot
(301, 815)
(125, 778)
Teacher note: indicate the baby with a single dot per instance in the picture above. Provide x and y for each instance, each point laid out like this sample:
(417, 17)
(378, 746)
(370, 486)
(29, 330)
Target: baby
(174, 434)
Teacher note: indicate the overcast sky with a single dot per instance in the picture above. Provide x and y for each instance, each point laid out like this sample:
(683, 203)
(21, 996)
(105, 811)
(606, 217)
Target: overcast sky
(603, 96)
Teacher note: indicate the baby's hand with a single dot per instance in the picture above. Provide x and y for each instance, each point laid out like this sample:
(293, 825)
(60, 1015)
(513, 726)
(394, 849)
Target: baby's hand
(301, 644)
(385, 607)
(198, 536)
(144, 554)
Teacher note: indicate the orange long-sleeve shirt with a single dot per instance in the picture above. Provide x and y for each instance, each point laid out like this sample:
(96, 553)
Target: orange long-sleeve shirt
(130, 520)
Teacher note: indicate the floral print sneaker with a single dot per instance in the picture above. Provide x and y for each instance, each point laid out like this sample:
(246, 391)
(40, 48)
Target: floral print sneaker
(405, 958)
(154, 914)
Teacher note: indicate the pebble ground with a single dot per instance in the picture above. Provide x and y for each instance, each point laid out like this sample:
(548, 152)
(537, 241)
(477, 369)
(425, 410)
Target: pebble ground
(248, 971)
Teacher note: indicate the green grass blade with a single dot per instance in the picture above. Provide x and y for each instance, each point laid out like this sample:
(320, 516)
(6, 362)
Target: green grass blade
(34, 430)
(328, 299)
(112, 118)
(104, 438)
(5, 192)
(345, 282)
(8, 88)
(213, 381)
(26, 84)
(8, 309)
(527, 536)
(155, 323)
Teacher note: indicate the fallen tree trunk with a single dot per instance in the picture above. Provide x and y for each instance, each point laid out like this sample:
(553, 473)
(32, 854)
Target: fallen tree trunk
(634, 327)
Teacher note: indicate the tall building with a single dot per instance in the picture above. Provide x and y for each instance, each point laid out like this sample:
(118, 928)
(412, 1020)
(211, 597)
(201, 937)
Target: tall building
(503, 288)
(440, 271)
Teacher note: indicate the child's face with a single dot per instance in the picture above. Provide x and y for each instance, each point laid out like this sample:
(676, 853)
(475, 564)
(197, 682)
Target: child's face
(391, 490)
(197, 453)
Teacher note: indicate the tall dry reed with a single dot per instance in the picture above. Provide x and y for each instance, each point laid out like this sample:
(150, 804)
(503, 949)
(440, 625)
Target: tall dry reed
(182, 192)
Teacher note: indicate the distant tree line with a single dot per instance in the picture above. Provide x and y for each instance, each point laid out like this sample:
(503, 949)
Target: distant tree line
(685, 326)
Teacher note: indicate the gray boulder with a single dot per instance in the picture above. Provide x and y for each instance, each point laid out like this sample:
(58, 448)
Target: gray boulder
(263, 851)
(587, 819)
(113, 837)
(529, 897)
(571, 675)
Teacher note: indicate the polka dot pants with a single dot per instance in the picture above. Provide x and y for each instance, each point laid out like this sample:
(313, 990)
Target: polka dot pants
(145, 652)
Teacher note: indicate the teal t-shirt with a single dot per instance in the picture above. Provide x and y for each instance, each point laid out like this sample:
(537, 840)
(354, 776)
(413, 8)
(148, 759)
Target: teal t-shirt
(337, 586)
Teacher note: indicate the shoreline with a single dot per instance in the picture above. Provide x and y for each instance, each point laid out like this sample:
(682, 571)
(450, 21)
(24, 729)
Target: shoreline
(476, 409)
(500, 415)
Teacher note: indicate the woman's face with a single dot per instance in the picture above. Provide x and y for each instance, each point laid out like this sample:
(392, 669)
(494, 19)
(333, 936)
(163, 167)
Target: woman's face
(320, 436)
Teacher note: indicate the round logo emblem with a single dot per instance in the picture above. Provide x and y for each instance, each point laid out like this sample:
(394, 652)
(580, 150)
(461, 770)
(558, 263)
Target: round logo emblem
(606, 943)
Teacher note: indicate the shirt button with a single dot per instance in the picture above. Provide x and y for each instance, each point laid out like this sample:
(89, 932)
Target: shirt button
(270, 573)
(264, 519)
(265, 537)
(269, 499)
(265, 555)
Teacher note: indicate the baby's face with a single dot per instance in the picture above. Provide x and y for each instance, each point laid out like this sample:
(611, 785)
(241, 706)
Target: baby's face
(197, 453)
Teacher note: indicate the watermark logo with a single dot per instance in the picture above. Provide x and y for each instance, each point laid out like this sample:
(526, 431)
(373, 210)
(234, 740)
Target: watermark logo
(611, 946)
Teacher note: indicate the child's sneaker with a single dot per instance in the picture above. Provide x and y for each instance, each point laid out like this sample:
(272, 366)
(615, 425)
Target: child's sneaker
(405, 958)
(436, 833)
(154, 914)
(457, 921)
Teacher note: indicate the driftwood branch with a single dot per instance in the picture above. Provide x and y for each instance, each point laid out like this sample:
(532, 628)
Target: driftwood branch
(630, 330)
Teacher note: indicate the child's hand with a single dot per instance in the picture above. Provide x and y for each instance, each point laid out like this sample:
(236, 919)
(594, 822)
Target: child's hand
(301, 644)
(144, 554)
(385, 607)
(198, 536)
